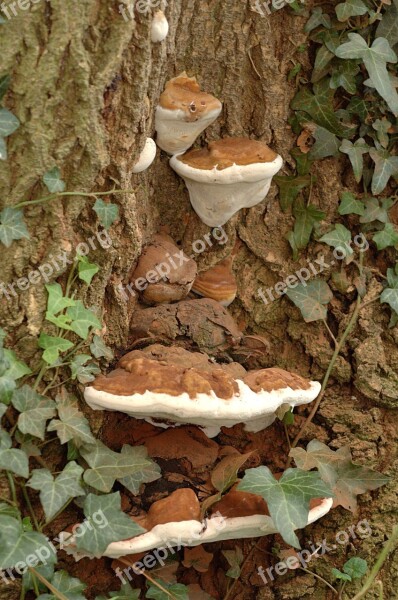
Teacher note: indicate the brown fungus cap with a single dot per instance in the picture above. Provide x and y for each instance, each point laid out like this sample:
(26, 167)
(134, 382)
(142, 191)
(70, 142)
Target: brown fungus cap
(227, 152)
(184, 93)
(218, 283)
(275, 379)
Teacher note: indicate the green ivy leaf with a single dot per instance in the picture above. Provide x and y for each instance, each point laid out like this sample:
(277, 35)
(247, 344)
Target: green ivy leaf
(12, 226)
(235, 560)
(350, 8)
(55, 492)
(355, 154)
(385, 166)
(35, 411)
(131, 467)
(17, 368)
(86, 269)
(344, 74)
(107, 212)
(375, 58)
(52, 180)
(14, 460)
(175, 590)
(355, 567)
(289, 188)
(321, 65)
(326, 144)
(349, 205)
(113, 526)
(388, 27)
(28, 581)
(382, 126)
(316, 19)
(99, 349)
(306, 219)
(339, 237)
(311, 299)
(3, 149)
(17, 544)
(82, 319)
(288, 498)
(52, 347)
(376, 210)
(387, 237)
(81, 371)
(71, 587)
(8, 122)
(72, 424)
(341, 576)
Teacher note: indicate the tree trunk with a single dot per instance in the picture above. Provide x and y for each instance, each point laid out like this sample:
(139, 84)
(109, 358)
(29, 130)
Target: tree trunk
(85, 83)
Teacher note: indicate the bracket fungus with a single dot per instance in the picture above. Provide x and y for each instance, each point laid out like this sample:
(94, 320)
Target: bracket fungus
(164, 273)
(146, 157)
(159, 27)
(218, 283)
(228, 175)
(170, 386)
(176, 520)
(184, 111)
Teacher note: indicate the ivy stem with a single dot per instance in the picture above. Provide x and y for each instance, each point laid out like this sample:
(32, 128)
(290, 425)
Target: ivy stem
(29, 505)
(57, 513)
(320, 579)
(59, 194)
(153, 581)
(390, 545)
(48, 585)
(40, 376)
(13, 491)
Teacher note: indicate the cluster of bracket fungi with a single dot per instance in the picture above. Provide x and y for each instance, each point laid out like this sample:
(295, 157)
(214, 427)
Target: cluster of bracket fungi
(169, 386)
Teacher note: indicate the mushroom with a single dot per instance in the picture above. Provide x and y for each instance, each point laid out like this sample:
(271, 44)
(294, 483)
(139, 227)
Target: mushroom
(228, 175)
(159, 27)
(184, 111)
(146, 157)
(164, 273)
(162, 385)
(218, 283)
(175, 520)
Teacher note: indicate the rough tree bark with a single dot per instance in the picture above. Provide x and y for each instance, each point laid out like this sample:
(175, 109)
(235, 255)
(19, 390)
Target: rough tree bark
(84, 85)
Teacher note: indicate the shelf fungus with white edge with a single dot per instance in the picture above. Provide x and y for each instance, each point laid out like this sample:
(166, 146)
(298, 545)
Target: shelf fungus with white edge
(146, 157)
(217, 283)
(176, 519)
(184, 111)
(169, 386)
(228, 175)
(163, 273)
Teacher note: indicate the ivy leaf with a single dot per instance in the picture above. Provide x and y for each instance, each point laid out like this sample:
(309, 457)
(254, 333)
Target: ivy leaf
(289, 188)
(385, 166)
(387, 237)
(343, 75)
(55, 492)
(375, 58)
(14, 460)
(339, 237)
(317, 18)
(17, 544)
(3, 149)
(35, 411)
(382, 126)
(311, 299)
(52, 347)
(82, 319)
(390, 294)
(86, 269)
(288, 498)
(341, 576)
(320, 108)
(107, 212)
(306, 218)
(303, 162)
(71, 587)
(81, 371)
(235, 560)
(322, 59)
(326, 144)
(355, 567)
(114, 525)
(224, 474)
(56, 302)
(355, 154)
(197, 558)
(53, 181)
(321, 457)
(99, 349)
(376, 210)
(8, 122)
(388, 27)
(17, 368)
(349, 205)
(72, 424)
(12, 226)
(129, 466)
(178, 591)
(350, 8)
(4, 85)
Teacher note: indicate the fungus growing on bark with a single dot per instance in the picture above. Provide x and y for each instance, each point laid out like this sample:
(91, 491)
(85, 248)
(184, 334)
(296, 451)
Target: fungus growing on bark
(176, 520)
(184, 111)
(167, 387)
(146, 157)
(159, 27)
(164, 273)
(218, 283)
(228, 175)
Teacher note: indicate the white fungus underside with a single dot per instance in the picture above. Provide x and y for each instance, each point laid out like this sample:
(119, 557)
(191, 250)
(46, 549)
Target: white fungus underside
(253, 409)
(146, 157)
(174, 134)
(194, 533)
